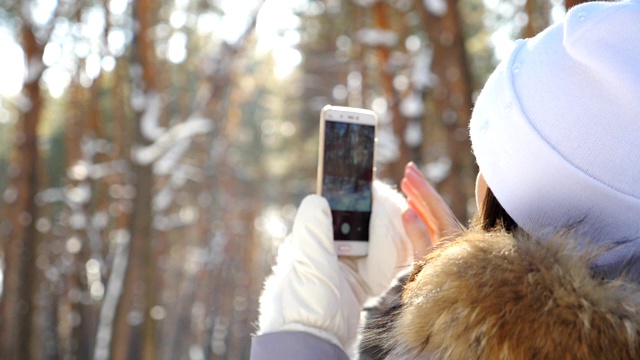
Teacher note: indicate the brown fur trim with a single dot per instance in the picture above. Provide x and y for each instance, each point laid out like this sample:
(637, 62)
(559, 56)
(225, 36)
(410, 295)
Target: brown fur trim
(503, 296)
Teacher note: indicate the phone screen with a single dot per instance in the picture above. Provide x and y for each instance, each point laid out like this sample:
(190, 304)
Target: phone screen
(348, 176)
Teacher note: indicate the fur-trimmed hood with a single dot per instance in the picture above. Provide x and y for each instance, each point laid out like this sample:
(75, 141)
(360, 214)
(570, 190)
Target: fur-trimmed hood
(505, 296)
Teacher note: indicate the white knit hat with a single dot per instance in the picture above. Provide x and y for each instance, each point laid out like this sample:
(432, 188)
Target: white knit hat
(556, 129)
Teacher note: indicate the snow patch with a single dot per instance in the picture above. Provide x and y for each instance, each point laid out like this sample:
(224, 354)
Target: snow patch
(101, 170)
(171, 158)
(412, 106)
(163, 199)
(78, 220)
(137, 99)
(438, 170)
(79, 171)
(388, 145)
(146, 155)
(421, 76)
(120, 238)
(79, 195)
(50, 195)
(377, 37)
(413, 134)
(436, 7)
(216, 249)
(365, 3)
(23, 103)
(34, 71)
(100, 220)
(149, 122)
(10, 194)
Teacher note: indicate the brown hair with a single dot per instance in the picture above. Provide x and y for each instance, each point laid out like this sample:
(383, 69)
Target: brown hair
(493, 215)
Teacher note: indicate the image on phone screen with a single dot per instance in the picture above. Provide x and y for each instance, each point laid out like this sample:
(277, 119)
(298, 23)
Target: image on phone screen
(348, 176)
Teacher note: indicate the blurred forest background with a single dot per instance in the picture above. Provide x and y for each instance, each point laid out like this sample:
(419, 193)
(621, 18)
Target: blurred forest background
(153, 153)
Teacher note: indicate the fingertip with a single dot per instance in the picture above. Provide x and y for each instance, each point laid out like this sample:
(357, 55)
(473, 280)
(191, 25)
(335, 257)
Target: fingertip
(312, 227)
(409, 165)
(413, 176)
(314, 201)
(313, 206)
(413, 169)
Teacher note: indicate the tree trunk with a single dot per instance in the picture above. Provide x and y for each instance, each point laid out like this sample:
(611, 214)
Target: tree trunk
(538, 14)
(452, 101)
(17, 308)
(134, 331)
(399, 122)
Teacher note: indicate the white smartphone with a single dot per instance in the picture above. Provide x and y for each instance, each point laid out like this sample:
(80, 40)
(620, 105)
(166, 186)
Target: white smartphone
(346, 169)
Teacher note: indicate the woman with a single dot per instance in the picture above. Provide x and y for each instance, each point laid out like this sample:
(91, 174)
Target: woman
(549, 269)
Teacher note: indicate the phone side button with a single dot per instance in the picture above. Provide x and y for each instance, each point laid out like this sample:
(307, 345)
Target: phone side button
(344, 247)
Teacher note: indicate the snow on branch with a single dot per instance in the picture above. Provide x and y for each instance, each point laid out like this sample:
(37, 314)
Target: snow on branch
(163, 198)
(115, 285)
(377, 37)
(413, 134)
(412, 106)
(102, 170)
(34, 72)
(77, 195)
(167, 162)
(146, 155)
(437, 171)
(421, 76)
(149, 123)
(21, 102)
(365, 3)
(388, 145)
(50, 195)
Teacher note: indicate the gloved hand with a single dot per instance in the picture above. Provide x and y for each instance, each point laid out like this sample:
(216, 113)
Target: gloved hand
(313, 291)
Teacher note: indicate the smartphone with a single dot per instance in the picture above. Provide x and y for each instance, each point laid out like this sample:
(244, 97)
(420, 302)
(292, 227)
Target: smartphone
(346, 169)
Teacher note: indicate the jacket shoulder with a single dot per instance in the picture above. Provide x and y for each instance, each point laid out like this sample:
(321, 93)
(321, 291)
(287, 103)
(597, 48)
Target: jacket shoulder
(498, 295)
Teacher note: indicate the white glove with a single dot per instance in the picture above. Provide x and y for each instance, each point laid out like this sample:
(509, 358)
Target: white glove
(314, 292)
